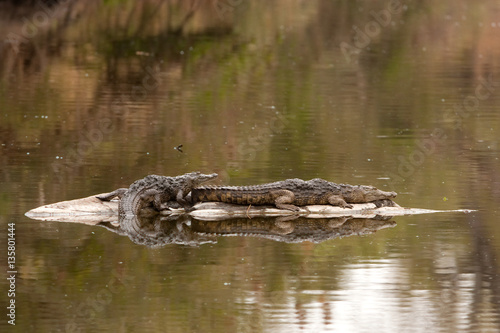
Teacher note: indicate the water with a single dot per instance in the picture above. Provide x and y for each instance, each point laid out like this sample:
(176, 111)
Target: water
(257, 92)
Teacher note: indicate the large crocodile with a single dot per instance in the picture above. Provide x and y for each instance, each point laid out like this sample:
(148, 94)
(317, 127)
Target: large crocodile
(157, 190)
(290, 193)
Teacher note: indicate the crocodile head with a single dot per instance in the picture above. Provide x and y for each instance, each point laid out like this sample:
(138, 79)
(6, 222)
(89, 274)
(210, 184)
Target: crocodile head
(196, 178)
(365, 193)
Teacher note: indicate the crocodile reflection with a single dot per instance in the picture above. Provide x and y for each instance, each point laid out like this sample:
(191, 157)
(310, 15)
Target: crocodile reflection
(155, 231)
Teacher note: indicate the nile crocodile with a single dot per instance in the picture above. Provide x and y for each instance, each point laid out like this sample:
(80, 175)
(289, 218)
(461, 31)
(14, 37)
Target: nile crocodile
(290, 193)
(157, 190)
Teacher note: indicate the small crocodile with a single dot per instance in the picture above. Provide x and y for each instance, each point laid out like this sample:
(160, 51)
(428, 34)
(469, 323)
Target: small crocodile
(157, 190)
(290, 193)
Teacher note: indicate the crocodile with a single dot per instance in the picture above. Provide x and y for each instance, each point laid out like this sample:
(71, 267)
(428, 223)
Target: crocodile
(159, 230)
(298, 231)
(156, 190)
(291, 193)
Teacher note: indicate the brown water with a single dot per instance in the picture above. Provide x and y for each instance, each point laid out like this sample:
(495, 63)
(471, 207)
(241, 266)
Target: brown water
(97, 94)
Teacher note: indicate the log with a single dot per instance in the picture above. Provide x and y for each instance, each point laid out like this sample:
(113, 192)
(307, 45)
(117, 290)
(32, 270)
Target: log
(91, 210)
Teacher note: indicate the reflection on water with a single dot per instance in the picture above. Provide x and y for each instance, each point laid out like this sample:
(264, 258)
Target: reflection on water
(94, 95)
(182, 229)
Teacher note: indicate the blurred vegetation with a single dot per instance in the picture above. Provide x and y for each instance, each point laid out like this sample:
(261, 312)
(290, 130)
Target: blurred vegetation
(261, 91)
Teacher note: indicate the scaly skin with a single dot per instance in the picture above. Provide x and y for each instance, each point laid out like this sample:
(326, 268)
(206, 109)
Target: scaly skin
(157, 190)
(291, 193)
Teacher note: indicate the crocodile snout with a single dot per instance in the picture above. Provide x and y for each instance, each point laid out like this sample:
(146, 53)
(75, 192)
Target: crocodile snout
(390, 194)
(209, 177)
(371, 194)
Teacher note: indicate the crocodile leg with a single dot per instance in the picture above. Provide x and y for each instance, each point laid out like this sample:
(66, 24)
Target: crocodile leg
(184, 203)
(153, 196)
(284, 199)
(160, 200)
(282, 226)
(337, 200)
(337, 222)
(109, 196)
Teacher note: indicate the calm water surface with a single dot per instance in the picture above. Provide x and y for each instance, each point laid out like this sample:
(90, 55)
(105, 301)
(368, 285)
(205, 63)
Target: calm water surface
(257, 92)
